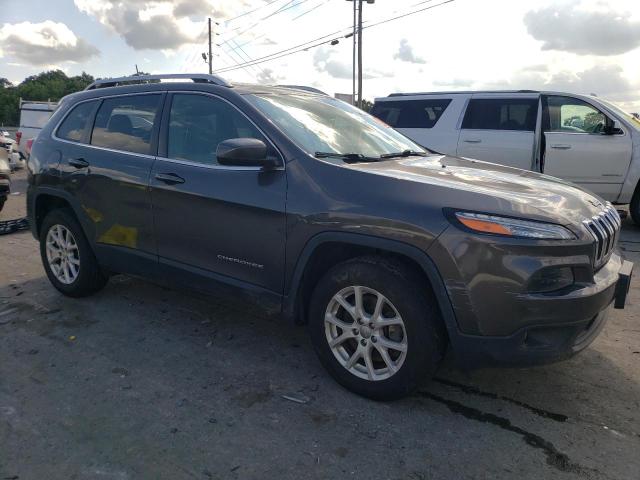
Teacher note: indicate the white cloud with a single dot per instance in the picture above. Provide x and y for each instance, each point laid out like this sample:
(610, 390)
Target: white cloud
(405, 53)
(159, 24)
(576, 28)
(43, 43)
(604, 80)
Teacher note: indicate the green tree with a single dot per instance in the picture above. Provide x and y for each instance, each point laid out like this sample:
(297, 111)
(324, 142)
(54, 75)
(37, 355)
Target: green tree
(51, 85)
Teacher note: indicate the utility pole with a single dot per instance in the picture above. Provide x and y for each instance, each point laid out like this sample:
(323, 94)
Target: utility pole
(210, 48)
(359, 40)
(353, 68)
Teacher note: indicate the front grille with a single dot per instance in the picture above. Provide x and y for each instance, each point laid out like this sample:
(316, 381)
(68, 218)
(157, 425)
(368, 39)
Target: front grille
(605, 229)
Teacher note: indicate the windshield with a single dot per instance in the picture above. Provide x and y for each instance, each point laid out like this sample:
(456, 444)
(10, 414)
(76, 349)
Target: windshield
(632, 119)
(325, 124)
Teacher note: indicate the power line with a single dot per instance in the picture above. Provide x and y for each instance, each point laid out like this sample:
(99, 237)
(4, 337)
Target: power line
(251, 11)
(283, 8)
(297, 48)
(310, 10)
(249, 42)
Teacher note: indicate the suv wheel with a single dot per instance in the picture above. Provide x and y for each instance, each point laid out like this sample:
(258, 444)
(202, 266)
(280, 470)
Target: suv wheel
(376, 328)
(67, 257)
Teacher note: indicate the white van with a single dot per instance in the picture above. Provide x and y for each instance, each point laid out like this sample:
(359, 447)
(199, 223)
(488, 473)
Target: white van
(580, 138)
(33, 116)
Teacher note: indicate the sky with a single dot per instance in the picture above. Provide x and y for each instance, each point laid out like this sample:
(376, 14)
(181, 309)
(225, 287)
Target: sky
(580, 46)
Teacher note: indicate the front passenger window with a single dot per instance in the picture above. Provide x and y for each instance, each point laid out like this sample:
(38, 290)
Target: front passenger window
(198, 123)
(571, 115)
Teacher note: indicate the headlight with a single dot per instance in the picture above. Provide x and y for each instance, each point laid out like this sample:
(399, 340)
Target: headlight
(513, 227)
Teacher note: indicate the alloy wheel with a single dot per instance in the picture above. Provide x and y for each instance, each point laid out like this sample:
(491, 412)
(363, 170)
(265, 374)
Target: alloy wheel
(366, 333)
(63, 254)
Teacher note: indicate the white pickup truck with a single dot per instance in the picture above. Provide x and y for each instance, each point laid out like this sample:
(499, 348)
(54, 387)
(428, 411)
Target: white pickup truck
(579, 138)
(33, 116)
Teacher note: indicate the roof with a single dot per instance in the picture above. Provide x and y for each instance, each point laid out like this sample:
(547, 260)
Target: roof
(461, 92)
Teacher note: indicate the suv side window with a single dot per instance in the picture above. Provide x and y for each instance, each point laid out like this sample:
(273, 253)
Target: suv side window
(198, 123)
(74, 125)
(126, 123)
(571, 115)
(517, 114)
(411, 113)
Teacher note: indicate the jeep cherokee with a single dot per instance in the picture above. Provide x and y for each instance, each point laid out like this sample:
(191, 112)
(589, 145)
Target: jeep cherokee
(324, 215)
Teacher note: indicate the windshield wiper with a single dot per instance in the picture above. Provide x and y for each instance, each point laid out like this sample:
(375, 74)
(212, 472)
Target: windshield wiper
(404, 153)
(347, 157)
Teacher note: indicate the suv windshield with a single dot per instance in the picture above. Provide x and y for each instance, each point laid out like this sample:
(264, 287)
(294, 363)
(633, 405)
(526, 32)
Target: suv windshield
(327, 125)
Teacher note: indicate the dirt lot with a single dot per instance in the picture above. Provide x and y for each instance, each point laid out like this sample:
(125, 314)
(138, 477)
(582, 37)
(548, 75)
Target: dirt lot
(144, 382)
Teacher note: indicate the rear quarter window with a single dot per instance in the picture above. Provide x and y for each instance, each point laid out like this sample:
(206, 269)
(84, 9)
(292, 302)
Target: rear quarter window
(411, 113)
(73, 126)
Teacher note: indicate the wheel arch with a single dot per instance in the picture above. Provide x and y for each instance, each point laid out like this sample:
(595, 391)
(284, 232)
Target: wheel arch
(47, 200)
(327, 249)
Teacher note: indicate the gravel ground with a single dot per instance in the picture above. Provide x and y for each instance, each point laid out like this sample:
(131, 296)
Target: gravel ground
(142, 382)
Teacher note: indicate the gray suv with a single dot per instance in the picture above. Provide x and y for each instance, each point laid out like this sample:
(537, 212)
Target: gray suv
(323, 215)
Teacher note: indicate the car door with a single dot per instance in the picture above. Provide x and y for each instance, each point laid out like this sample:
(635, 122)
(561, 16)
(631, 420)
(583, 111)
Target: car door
(578, 148)
(222, 223)
(500, 130)
(105, 168)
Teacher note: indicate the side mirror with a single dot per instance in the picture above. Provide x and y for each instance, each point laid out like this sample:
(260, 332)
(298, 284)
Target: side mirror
(244, 152)
(610, 128)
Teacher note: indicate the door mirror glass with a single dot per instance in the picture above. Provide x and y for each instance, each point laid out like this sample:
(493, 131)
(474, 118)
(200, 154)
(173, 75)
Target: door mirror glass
(244, 152)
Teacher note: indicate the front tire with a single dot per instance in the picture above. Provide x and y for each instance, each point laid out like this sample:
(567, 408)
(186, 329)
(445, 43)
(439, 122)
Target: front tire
(67, 256)
(376, 328)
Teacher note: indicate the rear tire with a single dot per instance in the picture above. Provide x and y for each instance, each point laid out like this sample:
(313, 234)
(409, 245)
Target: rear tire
(342, 327)
(2, 202)
(67, 256)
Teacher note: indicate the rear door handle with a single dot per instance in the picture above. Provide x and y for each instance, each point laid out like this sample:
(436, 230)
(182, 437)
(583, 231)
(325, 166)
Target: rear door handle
(561, 147)
(472, 140)
(78, 163)
(169, 178)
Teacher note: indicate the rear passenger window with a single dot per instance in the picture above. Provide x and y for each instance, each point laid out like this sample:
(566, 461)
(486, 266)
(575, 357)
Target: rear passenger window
(73, 126)
(411, 113)
(198, 123)
(501, 114)
(126, 123)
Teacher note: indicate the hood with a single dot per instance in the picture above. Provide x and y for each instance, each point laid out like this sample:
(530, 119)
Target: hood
(505, 190)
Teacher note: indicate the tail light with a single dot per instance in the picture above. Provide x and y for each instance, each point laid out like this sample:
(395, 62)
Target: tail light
(29, 144)
(18, 137)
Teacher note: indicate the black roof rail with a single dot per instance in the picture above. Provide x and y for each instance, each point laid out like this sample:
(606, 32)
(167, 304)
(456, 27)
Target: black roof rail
(195, 77)
(468, 92)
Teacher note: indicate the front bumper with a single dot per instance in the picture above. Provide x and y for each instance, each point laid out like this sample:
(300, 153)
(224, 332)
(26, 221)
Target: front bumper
(496, 318)
(548, 342)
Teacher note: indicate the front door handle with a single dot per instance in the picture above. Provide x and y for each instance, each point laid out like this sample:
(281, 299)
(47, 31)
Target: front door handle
(472, 140)
(561, 147)
(78, 163)
(169, 178)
